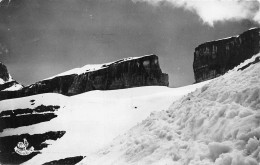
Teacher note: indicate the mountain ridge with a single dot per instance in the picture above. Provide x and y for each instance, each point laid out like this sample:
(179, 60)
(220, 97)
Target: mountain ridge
(7, 83)
(124, 73)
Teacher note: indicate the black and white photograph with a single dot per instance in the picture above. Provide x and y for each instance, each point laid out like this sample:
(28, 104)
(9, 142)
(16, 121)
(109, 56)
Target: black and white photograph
(130, 82)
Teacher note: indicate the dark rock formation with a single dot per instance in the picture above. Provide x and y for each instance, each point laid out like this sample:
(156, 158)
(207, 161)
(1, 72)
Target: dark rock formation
(66, 161)
(8, 85)
(257, 60)
(215, 58)
(24, 117)
(142, 71)
(6, 80)
(38, 141)
(4, 75)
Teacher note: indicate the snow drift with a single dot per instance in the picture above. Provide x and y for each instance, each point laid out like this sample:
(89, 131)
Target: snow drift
(217, 124)
(73, 127)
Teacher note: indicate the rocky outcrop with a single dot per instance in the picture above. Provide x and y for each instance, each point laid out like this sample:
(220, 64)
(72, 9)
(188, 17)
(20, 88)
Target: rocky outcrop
(6, 81)
(4, 75)
(215, 58)
(125, 73)
(37, 141)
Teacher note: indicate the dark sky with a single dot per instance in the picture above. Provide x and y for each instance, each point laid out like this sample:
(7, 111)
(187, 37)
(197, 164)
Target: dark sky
(47, 37)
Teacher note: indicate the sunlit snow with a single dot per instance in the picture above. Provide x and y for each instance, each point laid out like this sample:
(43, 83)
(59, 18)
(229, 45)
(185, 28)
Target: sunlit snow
(218, 124)
(14, 87)
(214, 122)
(93, 119)
(3, 81)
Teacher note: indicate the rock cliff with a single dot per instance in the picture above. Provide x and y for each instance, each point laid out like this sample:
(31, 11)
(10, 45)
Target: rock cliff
(125, 73)
(4, 75)
(212, 59)
(6, 81)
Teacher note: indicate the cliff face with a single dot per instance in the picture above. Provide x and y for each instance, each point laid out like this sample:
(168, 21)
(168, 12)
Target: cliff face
(126, 73)
(215, 58)
(6, 81)
(4, 75)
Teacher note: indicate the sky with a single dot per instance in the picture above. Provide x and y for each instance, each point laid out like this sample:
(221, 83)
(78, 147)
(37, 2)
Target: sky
(41, 38)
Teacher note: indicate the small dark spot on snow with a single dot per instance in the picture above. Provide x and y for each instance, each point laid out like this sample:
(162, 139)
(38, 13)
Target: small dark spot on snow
(32, 101)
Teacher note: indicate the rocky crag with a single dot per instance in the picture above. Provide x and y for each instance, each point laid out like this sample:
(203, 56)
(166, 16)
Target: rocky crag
(125, 73)
(212, 59)
(6, 81)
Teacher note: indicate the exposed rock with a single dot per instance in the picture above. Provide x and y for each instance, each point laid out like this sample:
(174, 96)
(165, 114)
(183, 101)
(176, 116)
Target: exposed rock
(257, 59)
(215, 58)
(24, 117)
(6, 81)
(4, 75)
(66, 161)
(125, 73)
(38, 141)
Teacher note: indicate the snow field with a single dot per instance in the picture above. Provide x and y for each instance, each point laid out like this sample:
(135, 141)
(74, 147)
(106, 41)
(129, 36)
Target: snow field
(3, 81)
(93, 119)
(14, 87)
(25, 102)
(217, 124)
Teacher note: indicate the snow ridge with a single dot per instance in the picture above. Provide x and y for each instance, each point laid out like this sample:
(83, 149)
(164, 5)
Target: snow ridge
(217, 124)
(235, 36)
(3, 81)
(93, 67)
(92, 119)
(14, 87)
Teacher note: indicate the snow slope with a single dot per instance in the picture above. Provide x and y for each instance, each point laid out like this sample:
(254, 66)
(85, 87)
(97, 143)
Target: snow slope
(93, 119)
(3, 81)
(217, 124)
(16, 86)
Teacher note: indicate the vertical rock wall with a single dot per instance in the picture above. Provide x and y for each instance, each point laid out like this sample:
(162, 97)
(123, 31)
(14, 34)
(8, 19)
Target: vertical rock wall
(215, 58)
(6, 80)
(4, 75)
(142, 71)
